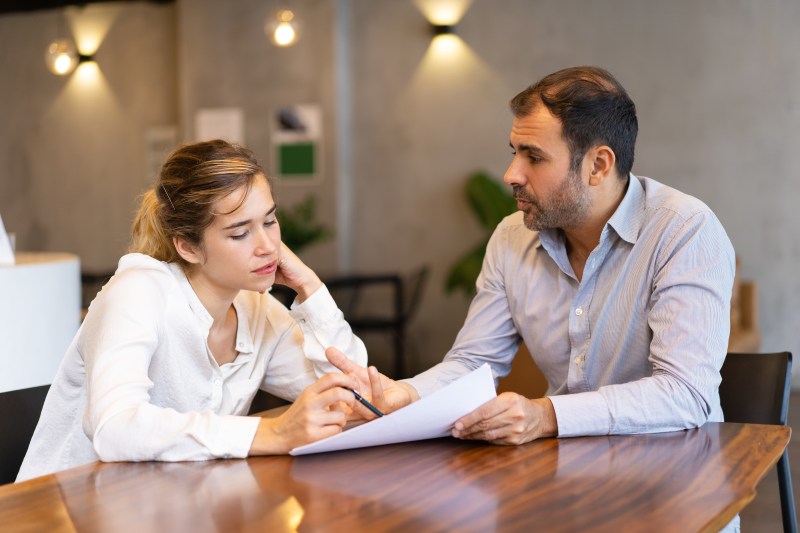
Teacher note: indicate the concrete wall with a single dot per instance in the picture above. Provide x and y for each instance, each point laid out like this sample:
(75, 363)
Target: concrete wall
(72, 149)
(227, 61)
(716, 84)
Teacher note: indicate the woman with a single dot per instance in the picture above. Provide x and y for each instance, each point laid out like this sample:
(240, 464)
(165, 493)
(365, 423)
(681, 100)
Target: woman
(177, 343)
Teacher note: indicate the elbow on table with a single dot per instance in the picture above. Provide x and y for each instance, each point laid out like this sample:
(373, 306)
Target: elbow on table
(119, 439)
(695, 413)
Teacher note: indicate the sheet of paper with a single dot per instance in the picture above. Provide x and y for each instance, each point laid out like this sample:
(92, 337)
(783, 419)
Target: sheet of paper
(429, 418)
(6, 252)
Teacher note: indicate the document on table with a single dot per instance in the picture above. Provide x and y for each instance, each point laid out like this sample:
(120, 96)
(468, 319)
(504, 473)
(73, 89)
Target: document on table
(428, 418)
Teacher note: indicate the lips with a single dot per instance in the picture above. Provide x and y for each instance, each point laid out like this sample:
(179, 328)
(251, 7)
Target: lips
(267, 269)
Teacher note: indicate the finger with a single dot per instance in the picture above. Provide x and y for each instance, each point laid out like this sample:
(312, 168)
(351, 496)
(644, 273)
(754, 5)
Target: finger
(338, 359)
(327, 399)
(325, 432)
(478, 419)
(332, 381)
(376, 388)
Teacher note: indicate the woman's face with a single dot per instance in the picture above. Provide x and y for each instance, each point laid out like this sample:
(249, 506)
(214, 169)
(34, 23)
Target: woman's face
(241, 247)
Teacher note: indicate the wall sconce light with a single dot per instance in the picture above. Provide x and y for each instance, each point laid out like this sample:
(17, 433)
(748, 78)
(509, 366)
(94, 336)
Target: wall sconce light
(61, 57)
(443, 29)
(284, 29)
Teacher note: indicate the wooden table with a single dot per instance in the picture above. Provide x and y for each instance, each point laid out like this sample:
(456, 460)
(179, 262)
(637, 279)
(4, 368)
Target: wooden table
(685, 481)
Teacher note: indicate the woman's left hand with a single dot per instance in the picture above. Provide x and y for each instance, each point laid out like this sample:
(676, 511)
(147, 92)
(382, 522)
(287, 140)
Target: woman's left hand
(293, 273)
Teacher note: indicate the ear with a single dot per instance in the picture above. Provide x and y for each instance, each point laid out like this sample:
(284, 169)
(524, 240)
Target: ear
(601, 161)
(187, 251)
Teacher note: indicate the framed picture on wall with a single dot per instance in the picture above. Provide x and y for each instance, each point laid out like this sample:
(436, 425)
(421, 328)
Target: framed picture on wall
(296, 143)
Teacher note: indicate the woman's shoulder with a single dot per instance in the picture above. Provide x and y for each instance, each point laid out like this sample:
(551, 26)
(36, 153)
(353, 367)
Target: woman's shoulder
(140, 277)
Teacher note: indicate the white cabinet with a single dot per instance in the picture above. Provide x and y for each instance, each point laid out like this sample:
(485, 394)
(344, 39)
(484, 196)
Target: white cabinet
(39, 314)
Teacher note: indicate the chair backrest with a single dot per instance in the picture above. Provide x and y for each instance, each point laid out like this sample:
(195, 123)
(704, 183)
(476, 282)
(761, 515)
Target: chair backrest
(19, 414)
(755, 387)
(413, 287)
(397, 295)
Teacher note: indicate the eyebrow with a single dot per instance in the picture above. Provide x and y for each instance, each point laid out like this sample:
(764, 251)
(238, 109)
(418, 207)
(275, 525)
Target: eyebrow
(246, 222)
(528, 148)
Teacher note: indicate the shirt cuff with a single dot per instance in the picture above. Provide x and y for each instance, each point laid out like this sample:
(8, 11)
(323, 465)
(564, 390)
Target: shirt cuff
(581, 414)
(235, 435)
(317, 309)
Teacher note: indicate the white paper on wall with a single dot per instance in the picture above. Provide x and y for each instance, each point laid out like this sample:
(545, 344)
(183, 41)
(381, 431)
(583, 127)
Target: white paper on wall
(6, 251)
(225, 123)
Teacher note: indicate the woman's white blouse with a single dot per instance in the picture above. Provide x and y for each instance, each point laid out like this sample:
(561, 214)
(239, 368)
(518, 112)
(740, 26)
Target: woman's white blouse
(138, 382)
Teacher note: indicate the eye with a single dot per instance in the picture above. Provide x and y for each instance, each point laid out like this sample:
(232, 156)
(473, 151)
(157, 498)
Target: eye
(269, 223)
(240, 236)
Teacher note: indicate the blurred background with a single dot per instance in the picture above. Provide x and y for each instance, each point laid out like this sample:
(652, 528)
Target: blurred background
(397, 121)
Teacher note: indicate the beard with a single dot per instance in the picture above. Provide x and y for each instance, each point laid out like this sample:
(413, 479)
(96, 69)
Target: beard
(566, 208)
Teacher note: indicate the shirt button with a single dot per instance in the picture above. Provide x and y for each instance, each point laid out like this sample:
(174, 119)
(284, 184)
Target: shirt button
(579, 311)
(579, 360)
(217, 382)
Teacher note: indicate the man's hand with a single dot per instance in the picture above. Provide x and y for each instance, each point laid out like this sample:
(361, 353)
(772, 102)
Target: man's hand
(508, 419)
(386, 394)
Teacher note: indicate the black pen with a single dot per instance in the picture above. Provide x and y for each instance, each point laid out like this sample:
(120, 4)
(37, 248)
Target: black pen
(366, 404)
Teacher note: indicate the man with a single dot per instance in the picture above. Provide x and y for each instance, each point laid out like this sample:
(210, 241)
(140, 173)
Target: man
(620, 286)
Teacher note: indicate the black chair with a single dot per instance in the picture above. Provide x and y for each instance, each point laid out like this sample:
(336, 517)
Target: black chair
(19, 414)
(404, 294)
(755, 390)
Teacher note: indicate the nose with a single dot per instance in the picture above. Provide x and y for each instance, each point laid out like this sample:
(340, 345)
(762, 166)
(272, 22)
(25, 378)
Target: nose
(265, 244)
(514, 174)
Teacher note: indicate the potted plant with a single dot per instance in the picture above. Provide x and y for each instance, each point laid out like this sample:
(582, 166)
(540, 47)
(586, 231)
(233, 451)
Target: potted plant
(491, 202)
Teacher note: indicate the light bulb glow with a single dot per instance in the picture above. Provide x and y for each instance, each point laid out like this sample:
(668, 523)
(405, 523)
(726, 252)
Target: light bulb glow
(443, 12)
(284, 34)
(283, 29)
(63, 64)
(61, 57)
(446, 45)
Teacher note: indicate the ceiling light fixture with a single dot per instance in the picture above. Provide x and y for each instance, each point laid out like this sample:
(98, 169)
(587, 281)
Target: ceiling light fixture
(284, 29)
(61, 57)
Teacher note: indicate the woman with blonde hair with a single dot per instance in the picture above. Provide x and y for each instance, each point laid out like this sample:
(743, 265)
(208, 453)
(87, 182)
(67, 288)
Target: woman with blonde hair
(177, 343)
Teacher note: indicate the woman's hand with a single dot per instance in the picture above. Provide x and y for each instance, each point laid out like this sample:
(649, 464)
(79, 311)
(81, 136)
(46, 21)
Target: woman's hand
(319, 412)
(293, 273)
(386, 394)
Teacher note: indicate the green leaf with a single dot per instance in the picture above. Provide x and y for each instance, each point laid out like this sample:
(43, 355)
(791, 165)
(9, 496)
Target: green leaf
(490, 201)
(298, 226)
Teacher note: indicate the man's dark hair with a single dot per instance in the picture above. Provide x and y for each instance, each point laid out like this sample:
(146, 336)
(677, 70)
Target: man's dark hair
(593, 108)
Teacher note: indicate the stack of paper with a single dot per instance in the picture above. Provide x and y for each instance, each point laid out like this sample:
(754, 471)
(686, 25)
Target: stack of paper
(429, 418)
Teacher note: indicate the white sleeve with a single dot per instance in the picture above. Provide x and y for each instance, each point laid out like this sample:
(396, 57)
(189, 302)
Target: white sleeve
(121, 335)
(299, 357)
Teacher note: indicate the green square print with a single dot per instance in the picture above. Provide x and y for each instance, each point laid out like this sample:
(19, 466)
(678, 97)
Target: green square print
(296, 159)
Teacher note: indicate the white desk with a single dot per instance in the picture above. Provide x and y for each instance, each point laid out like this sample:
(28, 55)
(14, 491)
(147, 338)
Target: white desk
(39, 315)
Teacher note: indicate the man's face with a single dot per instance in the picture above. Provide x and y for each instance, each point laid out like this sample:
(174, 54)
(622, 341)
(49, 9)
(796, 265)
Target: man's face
(548, 193)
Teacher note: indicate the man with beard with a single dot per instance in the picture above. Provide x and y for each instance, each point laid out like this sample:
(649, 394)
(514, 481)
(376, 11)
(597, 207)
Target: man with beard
(619, 285)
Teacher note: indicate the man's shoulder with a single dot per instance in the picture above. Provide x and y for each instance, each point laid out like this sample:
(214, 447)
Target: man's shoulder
(515, 224)
(661, 200)
(513, 229)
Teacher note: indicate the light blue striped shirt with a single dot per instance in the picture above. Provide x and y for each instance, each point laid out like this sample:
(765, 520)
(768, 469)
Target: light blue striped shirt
(637, 344)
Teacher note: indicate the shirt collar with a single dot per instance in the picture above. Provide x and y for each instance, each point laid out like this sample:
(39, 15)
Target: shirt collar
(627, 219)
(197, 307)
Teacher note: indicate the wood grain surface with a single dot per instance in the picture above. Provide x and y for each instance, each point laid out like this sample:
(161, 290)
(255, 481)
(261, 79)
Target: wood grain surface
(685, 481)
